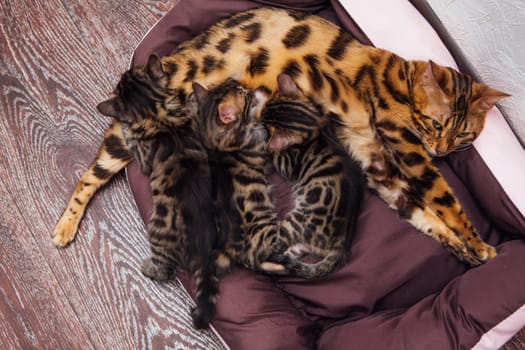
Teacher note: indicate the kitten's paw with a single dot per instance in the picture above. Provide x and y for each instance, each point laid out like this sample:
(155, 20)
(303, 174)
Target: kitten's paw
(272, 267)
(155, 271)
(65, 230)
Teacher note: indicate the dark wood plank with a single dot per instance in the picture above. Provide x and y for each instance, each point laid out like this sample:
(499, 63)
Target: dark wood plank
(517, 342)
(54, 70)
(129, 21)
(34, 311)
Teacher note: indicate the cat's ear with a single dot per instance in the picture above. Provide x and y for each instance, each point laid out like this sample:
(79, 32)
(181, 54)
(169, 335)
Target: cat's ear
(278, 141)
(154, 67)
(432, 74)
(287, 86)
(488, 97)
(227, 113)
(108, 108)
(199, 91)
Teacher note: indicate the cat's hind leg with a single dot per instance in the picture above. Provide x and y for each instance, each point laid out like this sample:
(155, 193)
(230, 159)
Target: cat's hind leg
(112, 157)
(308, 261)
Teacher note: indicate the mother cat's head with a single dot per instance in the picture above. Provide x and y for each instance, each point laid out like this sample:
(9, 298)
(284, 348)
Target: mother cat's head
(449, 108)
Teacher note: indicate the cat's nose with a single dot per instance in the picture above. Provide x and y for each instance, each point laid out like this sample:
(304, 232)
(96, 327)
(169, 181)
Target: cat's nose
(227, 114)
(431, 149)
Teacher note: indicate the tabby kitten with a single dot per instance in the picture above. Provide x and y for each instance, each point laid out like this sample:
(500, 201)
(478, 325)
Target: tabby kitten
(181, 230)
(239, 162)
(327, 185)
(393, 115)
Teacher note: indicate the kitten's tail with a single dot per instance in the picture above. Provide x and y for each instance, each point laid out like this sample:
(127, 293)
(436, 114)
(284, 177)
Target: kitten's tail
(207, 288)
(207, 275)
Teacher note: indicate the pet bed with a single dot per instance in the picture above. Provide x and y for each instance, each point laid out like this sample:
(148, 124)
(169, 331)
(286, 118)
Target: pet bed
(399, 289)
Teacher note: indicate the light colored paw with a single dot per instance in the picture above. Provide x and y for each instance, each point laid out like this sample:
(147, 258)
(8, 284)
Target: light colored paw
(64, 232)
(272, 267)
(492, 252)
(486, 252)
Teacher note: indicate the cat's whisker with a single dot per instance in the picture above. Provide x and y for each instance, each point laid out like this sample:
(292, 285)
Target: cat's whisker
(462, 148)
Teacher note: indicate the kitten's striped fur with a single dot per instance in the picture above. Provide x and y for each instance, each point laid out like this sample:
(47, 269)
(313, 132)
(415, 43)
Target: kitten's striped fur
(326, 183)
(159, 129)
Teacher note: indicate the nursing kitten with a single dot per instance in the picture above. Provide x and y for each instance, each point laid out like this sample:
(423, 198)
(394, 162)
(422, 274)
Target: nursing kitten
(239, 162)
(393, 115)
(327, 185)
(181, 230)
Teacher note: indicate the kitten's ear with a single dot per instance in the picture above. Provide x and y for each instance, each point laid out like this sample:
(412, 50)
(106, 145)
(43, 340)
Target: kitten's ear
(199, 91)
(488, 97)
(287, 86)
(108, 108)
(154, 67)
(278, 141)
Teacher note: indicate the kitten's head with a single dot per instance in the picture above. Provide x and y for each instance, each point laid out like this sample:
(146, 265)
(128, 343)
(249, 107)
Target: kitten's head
(142, 93)
(291, 118)
(449, 108)
(227, 117)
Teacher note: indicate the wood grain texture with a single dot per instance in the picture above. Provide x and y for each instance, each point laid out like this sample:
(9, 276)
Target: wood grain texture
(59, 59)
(517, 342)
(33, 305)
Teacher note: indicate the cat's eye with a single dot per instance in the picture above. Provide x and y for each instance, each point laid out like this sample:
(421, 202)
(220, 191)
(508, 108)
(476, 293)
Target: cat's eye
(437, 125)
(462, 134)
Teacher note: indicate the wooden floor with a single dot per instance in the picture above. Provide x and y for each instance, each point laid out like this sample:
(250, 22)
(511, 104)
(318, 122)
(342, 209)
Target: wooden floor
(59, 58)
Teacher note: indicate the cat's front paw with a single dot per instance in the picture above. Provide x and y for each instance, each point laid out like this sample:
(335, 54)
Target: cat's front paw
(485, 252)
(65, 230)
(463, 253)
(155, 271)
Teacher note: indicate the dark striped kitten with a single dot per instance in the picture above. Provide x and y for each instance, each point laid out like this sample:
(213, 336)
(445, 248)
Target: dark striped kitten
(182, 231)
(327, 184)
(239, 162)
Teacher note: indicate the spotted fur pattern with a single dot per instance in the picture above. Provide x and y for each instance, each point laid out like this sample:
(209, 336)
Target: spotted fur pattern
(393, 114)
